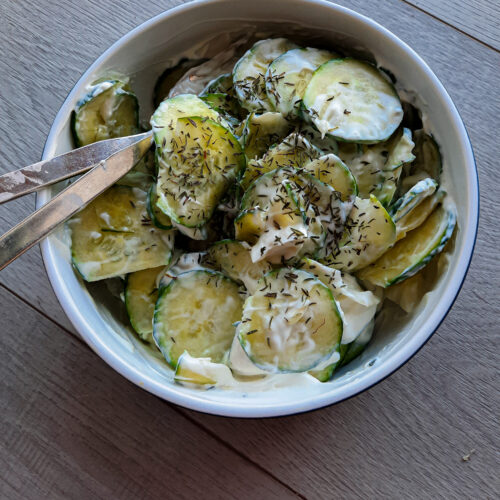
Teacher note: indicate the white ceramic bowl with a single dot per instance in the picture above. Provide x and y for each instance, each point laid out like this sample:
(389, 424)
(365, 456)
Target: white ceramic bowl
(144, 53)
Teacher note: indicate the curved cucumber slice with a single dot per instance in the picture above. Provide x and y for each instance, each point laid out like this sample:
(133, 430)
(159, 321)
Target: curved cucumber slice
(331, 170)
(413, 252)
(227, 106)
(222, 84)
(291, 323)
(142, 175)
(202, 372)
(195, 313)
(141, 293)
(249, 71)
(109, 110)
(164, 119)
(262, 131)
(272, 218)
(369, 232)
(378, 167)
(199, 164)
(400, 152)
(355, 348)
(158, 218)
(288, 75)
(352, 101)
(419, 192)
(417, 215)
(114, 236)
(294, 151)
(233, 258)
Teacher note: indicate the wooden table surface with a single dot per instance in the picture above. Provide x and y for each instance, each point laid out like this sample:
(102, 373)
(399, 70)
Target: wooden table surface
(71, 427)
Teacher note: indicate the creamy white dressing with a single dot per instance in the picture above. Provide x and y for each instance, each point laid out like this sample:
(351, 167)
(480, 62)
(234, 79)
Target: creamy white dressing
(194, 81)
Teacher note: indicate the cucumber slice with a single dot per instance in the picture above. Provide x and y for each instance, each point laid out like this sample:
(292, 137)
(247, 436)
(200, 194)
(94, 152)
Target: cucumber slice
(262, 131)
(418, 214)
(413, 252)
(141, 294)
(291, 323)
(377, 167)
(369, 232)
(419, 192)
(164, 119)
(109, 110)
(233, 258)
(222, 84)
(249, 225)
(288, 75)
(272, 217)
(352, 101)
(249, 71)
(158, 218)
(113, 236)
(400, 152)
(326, 144)
(200, 163)
(227, 106)
(201, 372)
(195, 313)
(170, 77)
(357, 306)
(331, 170)
(294, 151)
(355, 348)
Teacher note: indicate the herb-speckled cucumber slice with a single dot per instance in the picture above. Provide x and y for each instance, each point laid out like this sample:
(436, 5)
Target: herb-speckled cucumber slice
(413, 252)
(197, 166)
(369, 232)
(352, 101)
(249, 73)
(291, 323)
(294, 151)
(260, 132)
(141, 293)
(331, 170)
(109, 110)
(196, 313)
(114, 236)
(288, 75)
(233, 258)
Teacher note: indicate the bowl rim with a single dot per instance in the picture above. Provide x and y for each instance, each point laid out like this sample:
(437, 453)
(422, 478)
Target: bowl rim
(398, 359)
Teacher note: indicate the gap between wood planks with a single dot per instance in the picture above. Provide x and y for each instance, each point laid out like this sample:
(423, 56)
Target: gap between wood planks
(446, 23)
(174, 407)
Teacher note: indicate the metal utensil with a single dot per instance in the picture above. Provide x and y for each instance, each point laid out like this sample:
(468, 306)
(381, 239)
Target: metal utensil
(76, 196)
(76, 162)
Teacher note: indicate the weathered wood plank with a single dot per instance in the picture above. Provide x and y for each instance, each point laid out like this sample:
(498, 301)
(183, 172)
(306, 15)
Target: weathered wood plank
(405, 437)
(478, 18)
(73, 428)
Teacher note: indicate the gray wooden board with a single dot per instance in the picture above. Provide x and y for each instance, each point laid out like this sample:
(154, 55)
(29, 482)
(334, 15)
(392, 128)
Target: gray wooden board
(74, 428)
(405, 437)
(478, 18)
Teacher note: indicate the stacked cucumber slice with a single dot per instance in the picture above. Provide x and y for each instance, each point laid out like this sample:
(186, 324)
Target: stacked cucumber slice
(297, 198)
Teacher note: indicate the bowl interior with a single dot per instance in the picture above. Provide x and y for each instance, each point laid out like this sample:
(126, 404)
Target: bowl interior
(143, 54)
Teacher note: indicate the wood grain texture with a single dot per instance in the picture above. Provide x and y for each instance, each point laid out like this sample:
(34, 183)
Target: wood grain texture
(404, 438)
(73, 428)
(478, 18)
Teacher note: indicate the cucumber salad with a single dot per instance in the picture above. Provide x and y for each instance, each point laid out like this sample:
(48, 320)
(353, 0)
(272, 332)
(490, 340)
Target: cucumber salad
(282, 208)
